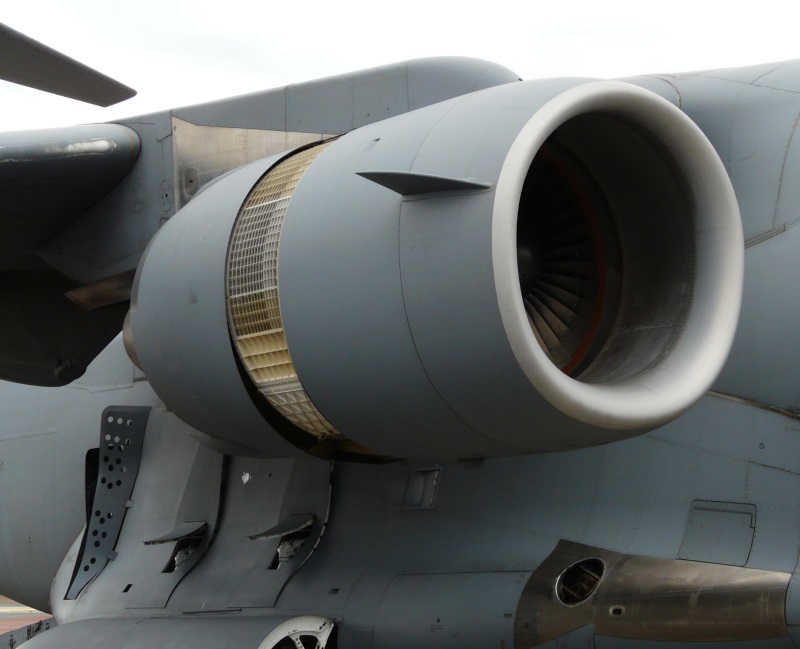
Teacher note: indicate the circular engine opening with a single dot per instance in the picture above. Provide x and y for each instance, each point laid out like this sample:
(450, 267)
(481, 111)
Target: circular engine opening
(605, 250)
(577, 583)
(618, 256)
(568, 259)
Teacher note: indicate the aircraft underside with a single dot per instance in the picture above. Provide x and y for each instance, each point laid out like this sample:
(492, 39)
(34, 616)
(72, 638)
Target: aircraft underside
(603, 547)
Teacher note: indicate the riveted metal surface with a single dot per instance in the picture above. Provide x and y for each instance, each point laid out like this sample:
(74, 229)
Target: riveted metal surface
(647, 598)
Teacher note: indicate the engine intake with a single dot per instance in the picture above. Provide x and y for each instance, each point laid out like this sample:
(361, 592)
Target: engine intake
(534, 267)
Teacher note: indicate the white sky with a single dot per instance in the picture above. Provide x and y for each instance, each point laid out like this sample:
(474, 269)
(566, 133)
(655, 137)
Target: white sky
(177, 53)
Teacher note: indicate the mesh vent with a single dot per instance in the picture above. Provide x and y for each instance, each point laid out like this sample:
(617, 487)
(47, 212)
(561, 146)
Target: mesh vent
(254, 312)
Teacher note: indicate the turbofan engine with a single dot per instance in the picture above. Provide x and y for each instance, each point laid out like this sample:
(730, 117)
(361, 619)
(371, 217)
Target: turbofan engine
(539, 266)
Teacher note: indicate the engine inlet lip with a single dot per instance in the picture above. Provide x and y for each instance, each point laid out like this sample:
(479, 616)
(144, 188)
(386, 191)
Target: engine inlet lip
(653, 398)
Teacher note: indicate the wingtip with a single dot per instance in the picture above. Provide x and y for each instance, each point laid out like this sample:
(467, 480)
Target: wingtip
(28, 62)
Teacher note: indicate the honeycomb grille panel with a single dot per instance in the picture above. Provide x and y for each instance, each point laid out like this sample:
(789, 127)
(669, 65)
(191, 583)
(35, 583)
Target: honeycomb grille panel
(252, 297)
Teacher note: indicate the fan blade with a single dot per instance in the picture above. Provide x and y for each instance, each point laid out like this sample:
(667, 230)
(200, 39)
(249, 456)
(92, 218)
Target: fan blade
(29, 63)
(562, 256)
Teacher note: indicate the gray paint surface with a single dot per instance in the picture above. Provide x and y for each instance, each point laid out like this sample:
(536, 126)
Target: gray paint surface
(389, 572)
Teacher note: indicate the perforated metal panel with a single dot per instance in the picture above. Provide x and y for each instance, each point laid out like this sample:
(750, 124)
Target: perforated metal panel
(121, 441)
(252, 294)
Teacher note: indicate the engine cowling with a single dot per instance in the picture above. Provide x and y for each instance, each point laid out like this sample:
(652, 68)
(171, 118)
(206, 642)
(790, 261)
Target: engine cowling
(535, 267)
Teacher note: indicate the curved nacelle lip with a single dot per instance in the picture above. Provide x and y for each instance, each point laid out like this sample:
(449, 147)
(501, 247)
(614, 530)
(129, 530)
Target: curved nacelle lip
(651, 398)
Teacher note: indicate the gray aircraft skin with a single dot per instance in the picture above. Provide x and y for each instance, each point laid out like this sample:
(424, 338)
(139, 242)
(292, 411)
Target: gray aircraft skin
(524, 373)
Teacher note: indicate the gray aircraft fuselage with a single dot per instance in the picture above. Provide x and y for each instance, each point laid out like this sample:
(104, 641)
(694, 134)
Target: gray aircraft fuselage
(137, 524)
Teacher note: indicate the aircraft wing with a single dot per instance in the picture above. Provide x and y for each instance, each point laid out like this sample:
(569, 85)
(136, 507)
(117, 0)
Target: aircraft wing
(30, 63)
(47, 179)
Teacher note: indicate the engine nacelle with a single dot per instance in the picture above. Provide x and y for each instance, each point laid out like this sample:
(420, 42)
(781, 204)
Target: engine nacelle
(535, 267)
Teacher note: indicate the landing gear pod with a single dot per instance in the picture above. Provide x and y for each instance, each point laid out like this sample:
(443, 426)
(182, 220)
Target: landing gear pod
(535, 267)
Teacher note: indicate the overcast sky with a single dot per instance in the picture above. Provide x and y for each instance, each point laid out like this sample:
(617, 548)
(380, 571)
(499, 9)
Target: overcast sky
(176, 53)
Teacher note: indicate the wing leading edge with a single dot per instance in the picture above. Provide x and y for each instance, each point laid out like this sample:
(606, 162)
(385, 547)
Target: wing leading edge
(30, 63)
